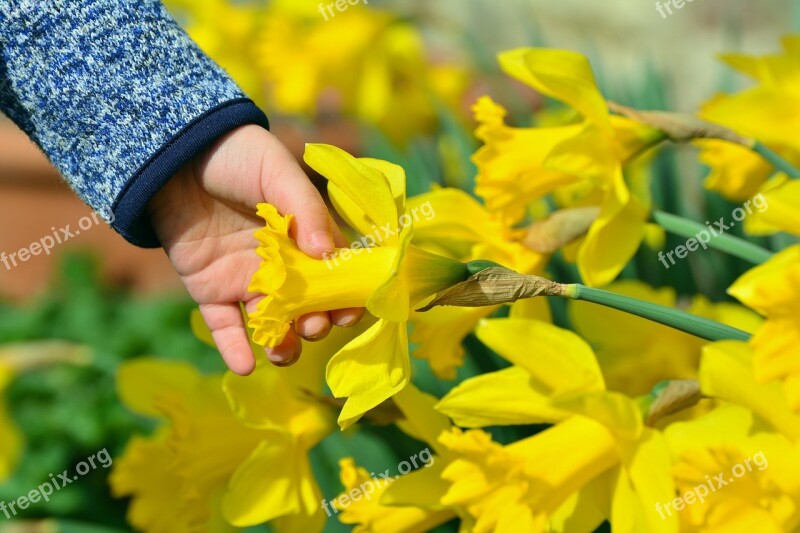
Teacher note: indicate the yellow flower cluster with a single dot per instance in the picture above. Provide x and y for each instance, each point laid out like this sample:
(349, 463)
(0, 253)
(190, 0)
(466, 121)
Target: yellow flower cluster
(629, 423)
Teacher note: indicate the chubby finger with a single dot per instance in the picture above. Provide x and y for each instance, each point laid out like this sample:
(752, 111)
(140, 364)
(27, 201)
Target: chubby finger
(287, 352)
(313, 326)
(227, 327)
(347, 317)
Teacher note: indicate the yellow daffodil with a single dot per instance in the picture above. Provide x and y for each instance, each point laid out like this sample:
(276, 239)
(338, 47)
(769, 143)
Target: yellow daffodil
(224, 451)
(743, 458)
(736, 172)
(518, 166)
(773, 289)
(463, 229)
(193, 457)
(10, 434)
(408, 502)
(767, 112)
(649, 352)
(365, 508)
(387, 278)
(758, 488)
(555, 379)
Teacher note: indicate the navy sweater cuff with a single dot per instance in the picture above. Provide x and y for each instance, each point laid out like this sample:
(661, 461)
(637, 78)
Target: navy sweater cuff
(130, 219)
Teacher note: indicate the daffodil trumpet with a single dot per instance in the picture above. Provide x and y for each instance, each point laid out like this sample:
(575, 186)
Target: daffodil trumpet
(723, 242)
(497, 285)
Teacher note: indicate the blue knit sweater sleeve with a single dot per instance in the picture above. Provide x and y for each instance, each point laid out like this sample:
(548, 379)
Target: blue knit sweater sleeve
(116, 95)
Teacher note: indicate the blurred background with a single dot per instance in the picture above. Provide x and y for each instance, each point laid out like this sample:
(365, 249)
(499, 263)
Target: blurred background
(394, 80)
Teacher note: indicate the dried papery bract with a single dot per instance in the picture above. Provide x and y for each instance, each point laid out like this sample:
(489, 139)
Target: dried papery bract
(493, 286)
(680, 127)
(674, 397)
(561, 228)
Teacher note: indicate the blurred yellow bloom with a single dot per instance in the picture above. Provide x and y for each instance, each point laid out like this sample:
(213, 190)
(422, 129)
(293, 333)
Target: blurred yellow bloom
(365, 63)
(387, 278)
(736, 172)
(518, 166)
(649, 353)
(773, 289)
(10, 435)
(224, 452)
(767, 112)
(226, 31)
(462, 229)
(556, 380)
(16, 358)
(782, 195)
(176, 477)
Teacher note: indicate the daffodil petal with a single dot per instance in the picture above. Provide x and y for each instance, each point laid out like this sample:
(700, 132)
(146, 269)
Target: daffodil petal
(370, 369)
(141, 381)
(367, 188)
(252, 497)
(421, 420)
(505, 397)
(613, 238)
(726, 372)
(561, 74)
(557, 358)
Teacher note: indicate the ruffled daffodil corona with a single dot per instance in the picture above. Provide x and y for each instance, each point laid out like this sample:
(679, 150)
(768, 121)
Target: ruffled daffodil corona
(387, 278)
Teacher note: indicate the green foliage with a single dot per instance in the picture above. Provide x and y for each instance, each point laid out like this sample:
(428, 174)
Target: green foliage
(69, 412)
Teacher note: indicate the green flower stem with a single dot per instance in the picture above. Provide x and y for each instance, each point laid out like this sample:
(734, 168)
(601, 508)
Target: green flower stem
(674, 318)
(775, 160)
(729, 244)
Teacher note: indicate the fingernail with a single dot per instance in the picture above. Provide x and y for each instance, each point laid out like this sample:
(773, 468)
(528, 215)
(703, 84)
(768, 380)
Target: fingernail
(285, 355)
(346, 320)
(322, 241)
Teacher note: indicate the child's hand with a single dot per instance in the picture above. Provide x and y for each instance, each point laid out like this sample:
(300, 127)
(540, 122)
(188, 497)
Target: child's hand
(205, 218)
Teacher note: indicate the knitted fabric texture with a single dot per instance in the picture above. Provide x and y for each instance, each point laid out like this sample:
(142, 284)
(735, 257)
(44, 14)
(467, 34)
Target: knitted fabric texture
(116, 95)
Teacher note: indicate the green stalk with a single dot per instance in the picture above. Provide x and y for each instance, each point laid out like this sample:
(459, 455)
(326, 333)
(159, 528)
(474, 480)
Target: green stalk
(723, 242)
(775, 160)
(674, 318)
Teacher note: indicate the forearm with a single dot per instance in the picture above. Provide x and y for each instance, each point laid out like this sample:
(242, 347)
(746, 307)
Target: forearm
(116, 95)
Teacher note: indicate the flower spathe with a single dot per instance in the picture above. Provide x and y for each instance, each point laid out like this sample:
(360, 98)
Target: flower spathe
(387, 278)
